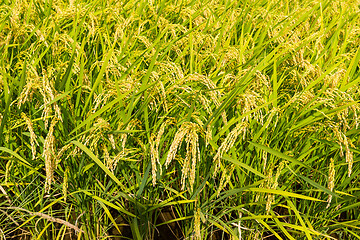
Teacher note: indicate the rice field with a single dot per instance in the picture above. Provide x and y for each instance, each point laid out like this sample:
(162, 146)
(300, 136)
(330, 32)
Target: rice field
(180, 119)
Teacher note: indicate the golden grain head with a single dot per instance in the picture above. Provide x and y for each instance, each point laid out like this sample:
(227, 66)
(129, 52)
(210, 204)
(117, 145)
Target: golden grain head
(61, 153)
(339, 137)
(170, 70)
(205, 103)
(228, 143)
(32, 84)
(247, 103)
(112, 141)
(154, 155)
(117, 158)
(100, 101)
(331, 180)
(197, 224)
(188, 166)
(269, 184)
(185, 170)
(107, 159)
(264, 158)
(123, 141)
(343, 141)
(270, 200)
(333, 80)
(278, 172)
(48, 96)
(100, 124)
(33, 141)
(215, 94)
(208, 135)
(226, 175)
(273, 183)
(49, 154)
(187, 132)
(195, 156)
(176, 143)
(163, 95)
(154, 150)
(349, 157)
(8, 167)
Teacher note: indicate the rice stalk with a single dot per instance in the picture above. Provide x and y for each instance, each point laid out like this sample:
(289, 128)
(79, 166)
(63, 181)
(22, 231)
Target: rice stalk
(65, 185)
(208, 135)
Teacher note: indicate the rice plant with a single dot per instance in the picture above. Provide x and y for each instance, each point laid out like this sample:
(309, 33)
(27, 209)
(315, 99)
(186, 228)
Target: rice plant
(179, 119)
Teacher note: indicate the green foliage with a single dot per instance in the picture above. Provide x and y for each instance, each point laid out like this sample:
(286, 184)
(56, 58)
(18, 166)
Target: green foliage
(215, 119)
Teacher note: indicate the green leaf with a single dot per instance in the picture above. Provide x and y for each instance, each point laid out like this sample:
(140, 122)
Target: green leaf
(100, 164)
(279, 154)
(284, 193)
(117, 207)
(26, 163)
(243, 165)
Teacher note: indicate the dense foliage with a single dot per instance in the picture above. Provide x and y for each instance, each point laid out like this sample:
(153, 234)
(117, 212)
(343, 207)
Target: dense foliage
(212, 119)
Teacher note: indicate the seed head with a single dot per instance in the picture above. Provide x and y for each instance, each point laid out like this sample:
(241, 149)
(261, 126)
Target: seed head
(60, 154)
(112, 141)
(344, 141)
(117, 158)
(49, 154)
(33, 141)
(7, 170)
(188, 131)
(348, 156)
(48, 96)
(108, 160)
(225, 178)
(264, 157)
(195, 155)
(154, 155)
(154, 150)
(197, 224)
(273, 184)
(331, 180)
(228, 143)
(179, 136)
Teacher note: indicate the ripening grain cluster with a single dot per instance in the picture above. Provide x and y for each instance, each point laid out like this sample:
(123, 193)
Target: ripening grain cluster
(179, 119)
